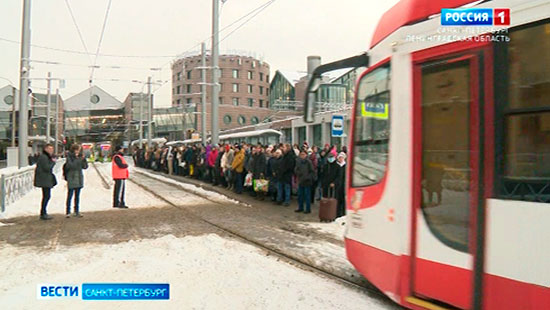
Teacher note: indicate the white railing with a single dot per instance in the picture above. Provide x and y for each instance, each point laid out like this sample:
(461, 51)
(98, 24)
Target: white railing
(16, 183)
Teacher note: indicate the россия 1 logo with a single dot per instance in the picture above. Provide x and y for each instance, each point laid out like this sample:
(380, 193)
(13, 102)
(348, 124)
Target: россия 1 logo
(475, 17)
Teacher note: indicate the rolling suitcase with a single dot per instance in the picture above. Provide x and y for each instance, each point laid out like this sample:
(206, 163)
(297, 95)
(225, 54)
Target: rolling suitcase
(327, 207)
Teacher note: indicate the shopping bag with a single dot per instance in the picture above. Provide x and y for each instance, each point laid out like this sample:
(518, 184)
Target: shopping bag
(248, 179)
(261, 185)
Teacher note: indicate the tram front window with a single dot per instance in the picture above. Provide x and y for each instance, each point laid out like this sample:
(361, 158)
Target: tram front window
(372, 128)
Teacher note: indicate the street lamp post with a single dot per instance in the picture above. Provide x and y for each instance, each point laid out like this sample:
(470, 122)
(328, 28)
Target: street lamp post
(203, 93)
(24, 83)
(215, 70)
(150, 113)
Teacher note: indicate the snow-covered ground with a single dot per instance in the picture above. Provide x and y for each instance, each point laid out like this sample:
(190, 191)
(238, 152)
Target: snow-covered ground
(191, 188)
(204, 272)
(94, 197)
(336, 228)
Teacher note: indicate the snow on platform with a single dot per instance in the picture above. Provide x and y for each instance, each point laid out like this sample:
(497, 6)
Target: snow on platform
(204, 272)
(336, 228)
(189, 187)
(94, 197)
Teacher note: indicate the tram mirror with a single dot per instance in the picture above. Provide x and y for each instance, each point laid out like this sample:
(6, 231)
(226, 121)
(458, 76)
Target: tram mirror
(310, 100)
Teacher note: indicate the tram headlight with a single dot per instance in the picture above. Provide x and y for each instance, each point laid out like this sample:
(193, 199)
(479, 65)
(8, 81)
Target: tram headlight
(356, 200)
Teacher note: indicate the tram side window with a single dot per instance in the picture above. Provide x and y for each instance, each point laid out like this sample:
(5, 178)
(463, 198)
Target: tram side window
(372, 128)
(525, 165)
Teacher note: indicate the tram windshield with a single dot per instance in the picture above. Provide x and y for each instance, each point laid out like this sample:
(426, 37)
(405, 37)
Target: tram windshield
(372, 128)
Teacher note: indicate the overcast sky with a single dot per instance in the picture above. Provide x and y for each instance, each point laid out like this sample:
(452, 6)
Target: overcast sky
(284, 34)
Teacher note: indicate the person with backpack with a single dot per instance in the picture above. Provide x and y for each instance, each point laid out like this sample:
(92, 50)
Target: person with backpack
(45, 178)
(72, 172)
(119, 170)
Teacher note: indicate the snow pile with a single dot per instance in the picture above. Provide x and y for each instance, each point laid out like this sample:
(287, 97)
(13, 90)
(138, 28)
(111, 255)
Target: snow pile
(11, 170)
(205, 272)
(94, 197)
(336, 228)
(192, 188)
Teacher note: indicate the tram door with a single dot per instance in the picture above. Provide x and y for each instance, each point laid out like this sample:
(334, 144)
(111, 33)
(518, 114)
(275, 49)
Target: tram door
(447, 114)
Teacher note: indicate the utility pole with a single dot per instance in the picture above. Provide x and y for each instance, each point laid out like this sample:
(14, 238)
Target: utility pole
(150, 114)
(215, 70)
(141, 119)
(13, 94)
(56, 120)
(48, 104)
(24, 84)
(203, 93)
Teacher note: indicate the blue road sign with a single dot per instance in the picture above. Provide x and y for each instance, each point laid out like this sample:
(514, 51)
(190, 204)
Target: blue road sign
(337, 125)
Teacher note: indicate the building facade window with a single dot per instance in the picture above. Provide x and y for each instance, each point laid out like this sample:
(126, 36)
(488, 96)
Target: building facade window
(235, 101)
(178, 102)
(250, 89)
(235, 87)
(220, 100)
(189, 101)
(189, 88)
(250, 102)
(227, 119)
(254, 120)
(250, 75)
(241, 120)
(179, 76)
(178, 90)
(261, 76)
(189, 74)
(235, 74)
(261, 103)
(261, 90)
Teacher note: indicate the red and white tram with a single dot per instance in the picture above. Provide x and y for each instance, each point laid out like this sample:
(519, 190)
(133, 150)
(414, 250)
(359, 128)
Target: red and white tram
(448, 185)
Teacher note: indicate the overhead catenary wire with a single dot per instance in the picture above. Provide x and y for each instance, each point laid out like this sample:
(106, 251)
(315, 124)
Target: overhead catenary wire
(266, 5)
(78, 30)
(100, 39)
(85, 53)
(246, 17)
(206, 40)
(57, 63)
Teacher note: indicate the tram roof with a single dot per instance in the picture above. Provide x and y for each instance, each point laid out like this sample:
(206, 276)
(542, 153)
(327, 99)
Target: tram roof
(407, 12)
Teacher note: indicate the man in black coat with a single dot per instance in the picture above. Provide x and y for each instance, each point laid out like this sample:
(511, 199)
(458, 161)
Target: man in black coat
(273, 165)
(44, 178)
(258, 165)
(284, 175)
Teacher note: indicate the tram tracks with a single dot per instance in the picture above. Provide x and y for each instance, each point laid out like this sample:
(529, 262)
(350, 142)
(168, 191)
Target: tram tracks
(295, 261)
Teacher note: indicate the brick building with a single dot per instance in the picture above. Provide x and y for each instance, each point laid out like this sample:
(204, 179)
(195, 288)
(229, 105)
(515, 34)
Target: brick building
(244, 94)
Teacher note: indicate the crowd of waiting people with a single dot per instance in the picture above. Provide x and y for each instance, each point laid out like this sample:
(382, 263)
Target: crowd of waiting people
(309, 172)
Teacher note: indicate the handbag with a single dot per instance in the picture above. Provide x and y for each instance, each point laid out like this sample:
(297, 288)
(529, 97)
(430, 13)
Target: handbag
(261, 185)
(248, 179)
